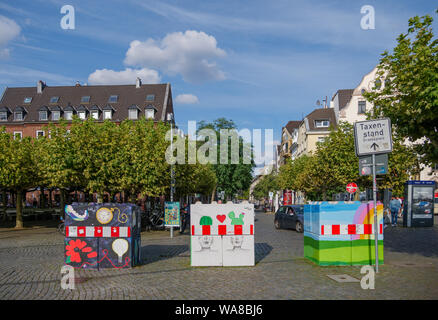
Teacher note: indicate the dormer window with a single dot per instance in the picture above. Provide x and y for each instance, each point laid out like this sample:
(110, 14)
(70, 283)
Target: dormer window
(150, 97)
(322, 123)
(19, 114)
(54, 99)
(95, 112)
(27, 100)
(108, 112)
(133, 112)
(43, 115)
(85, 99)
(68, 112)
(56, 115)
(82, 112)
(113, 99)
(4, 112)
(150, 112)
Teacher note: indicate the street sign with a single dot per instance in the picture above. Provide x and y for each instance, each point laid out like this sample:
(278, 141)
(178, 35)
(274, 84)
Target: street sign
(271, 194)
(366, 164)
(351, 187)
(373, 137)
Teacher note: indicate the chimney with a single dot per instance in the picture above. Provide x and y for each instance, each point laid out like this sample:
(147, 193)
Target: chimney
(138, 83)
(40, 86)
(78, 84)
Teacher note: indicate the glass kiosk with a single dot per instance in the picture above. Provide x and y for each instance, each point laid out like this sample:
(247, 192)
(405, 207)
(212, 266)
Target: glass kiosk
(418, 208)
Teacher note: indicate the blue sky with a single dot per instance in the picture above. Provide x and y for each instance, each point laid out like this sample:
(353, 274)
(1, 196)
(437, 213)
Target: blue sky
(260, 63)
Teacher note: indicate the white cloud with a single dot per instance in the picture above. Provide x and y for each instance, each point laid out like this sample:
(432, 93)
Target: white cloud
(190, 54)
(127, 76)
(8, 31)
(186, 99)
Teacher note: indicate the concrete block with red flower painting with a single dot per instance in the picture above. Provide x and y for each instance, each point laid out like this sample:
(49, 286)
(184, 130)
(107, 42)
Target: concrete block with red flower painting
(102, 235)
(222, 234)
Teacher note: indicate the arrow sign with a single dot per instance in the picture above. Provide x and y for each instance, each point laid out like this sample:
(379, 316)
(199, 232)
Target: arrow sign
(373, 137)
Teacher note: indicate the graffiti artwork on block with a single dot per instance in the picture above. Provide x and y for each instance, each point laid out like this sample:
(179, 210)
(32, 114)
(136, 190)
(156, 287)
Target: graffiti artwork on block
(238, 250)
(102, 235)
(81, 253)
(114, 253)
(206, 250)
(228, 223)
(75, 215)
(342, 233)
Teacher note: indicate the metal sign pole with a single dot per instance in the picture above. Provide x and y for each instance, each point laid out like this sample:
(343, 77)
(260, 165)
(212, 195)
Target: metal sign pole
(171, 173)
(376, 230)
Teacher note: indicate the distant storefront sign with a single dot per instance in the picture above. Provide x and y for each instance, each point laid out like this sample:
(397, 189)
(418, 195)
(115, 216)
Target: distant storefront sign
(287, 198)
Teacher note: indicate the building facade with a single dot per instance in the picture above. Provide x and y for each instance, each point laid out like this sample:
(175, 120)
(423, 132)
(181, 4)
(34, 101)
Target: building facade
(25, 111)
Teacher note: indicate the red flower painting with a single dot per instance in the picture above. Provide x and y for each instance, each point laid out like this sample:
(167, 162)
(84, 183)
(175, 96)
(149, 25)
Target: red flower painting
(74, 249)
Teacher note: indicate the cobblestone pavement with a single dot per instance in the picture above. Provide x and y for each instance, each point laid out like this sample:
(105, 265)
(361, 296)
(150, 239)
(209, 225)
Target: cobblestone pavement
(31, 260)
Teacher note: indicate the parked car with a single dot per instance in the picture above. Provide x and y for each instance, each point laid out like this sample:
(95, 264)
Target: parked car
(290, 217)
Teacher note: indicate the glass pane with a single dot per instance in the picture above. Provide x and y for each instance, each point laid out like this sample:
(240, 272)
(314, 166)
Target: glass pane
(56, 115)
(422, 200)
(85, 99)
(68, 115)
(107, 114)
(3, 116)
(133, 114)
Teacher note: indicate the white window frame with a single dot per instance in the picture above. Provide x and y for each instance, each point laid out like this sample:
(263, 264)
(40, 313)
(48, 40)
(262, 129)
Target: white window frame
(40, 113)
(68, 115)
(20, 133)
(107, 114)
(53, 115)
(24, 100)
(148, 114)
(39, 131)
(82, 115)
(130, 111)
(322, 122)
(5, 114)
(15, 115)
(95, 114)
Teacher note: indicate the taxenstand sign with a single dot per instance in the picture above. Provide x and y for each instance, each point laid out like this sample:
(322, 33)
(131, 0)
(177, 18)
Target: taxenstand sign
(373, 137)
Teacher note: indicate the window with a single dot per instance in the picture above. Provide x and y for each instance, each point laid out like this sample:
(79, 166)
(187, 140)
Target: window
(68, 115)
(54, 99)
(95, 114)
(113, 98)
(18, 135)
(107, 114)
(81, 115)
(322, 123)
(378, 83)
(133, 114)
(43, 115)
(362, 91)
(361, 107)
(56, 115)
(150, 97)
(39, 133)
(18, 116)
(85, 99)
(3, 116)
(150, 113)
(27, 100)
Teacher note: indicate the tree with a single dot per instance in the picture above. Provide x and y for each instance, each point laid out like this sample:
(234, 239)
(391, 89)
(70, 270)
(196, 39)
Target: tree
(17, 168)
(409, 96)
(268, 183)
(231, 178)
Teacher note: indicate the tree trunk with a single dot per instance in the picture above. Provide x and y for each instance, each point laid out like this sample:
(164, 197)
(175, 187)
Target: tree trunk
(212, 194)
(61, 202)
(19, 213)
(5, 203)
(42, 198)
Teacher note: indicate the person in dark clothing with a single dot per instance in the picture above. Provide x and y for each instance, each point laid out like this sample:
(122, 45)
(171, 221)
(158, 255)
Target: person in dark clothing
(185, 216)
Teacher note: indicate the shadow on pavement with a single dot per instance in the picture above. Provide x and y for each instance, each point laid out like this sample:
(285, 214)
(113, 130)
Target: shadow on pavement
(422, 241)
(157, 252)
(261, 251)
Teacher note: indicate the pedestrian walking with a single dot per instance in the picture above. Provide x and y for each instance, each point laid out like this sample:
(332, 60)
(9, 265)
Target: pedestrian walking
(185, 217)
(394, 206)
